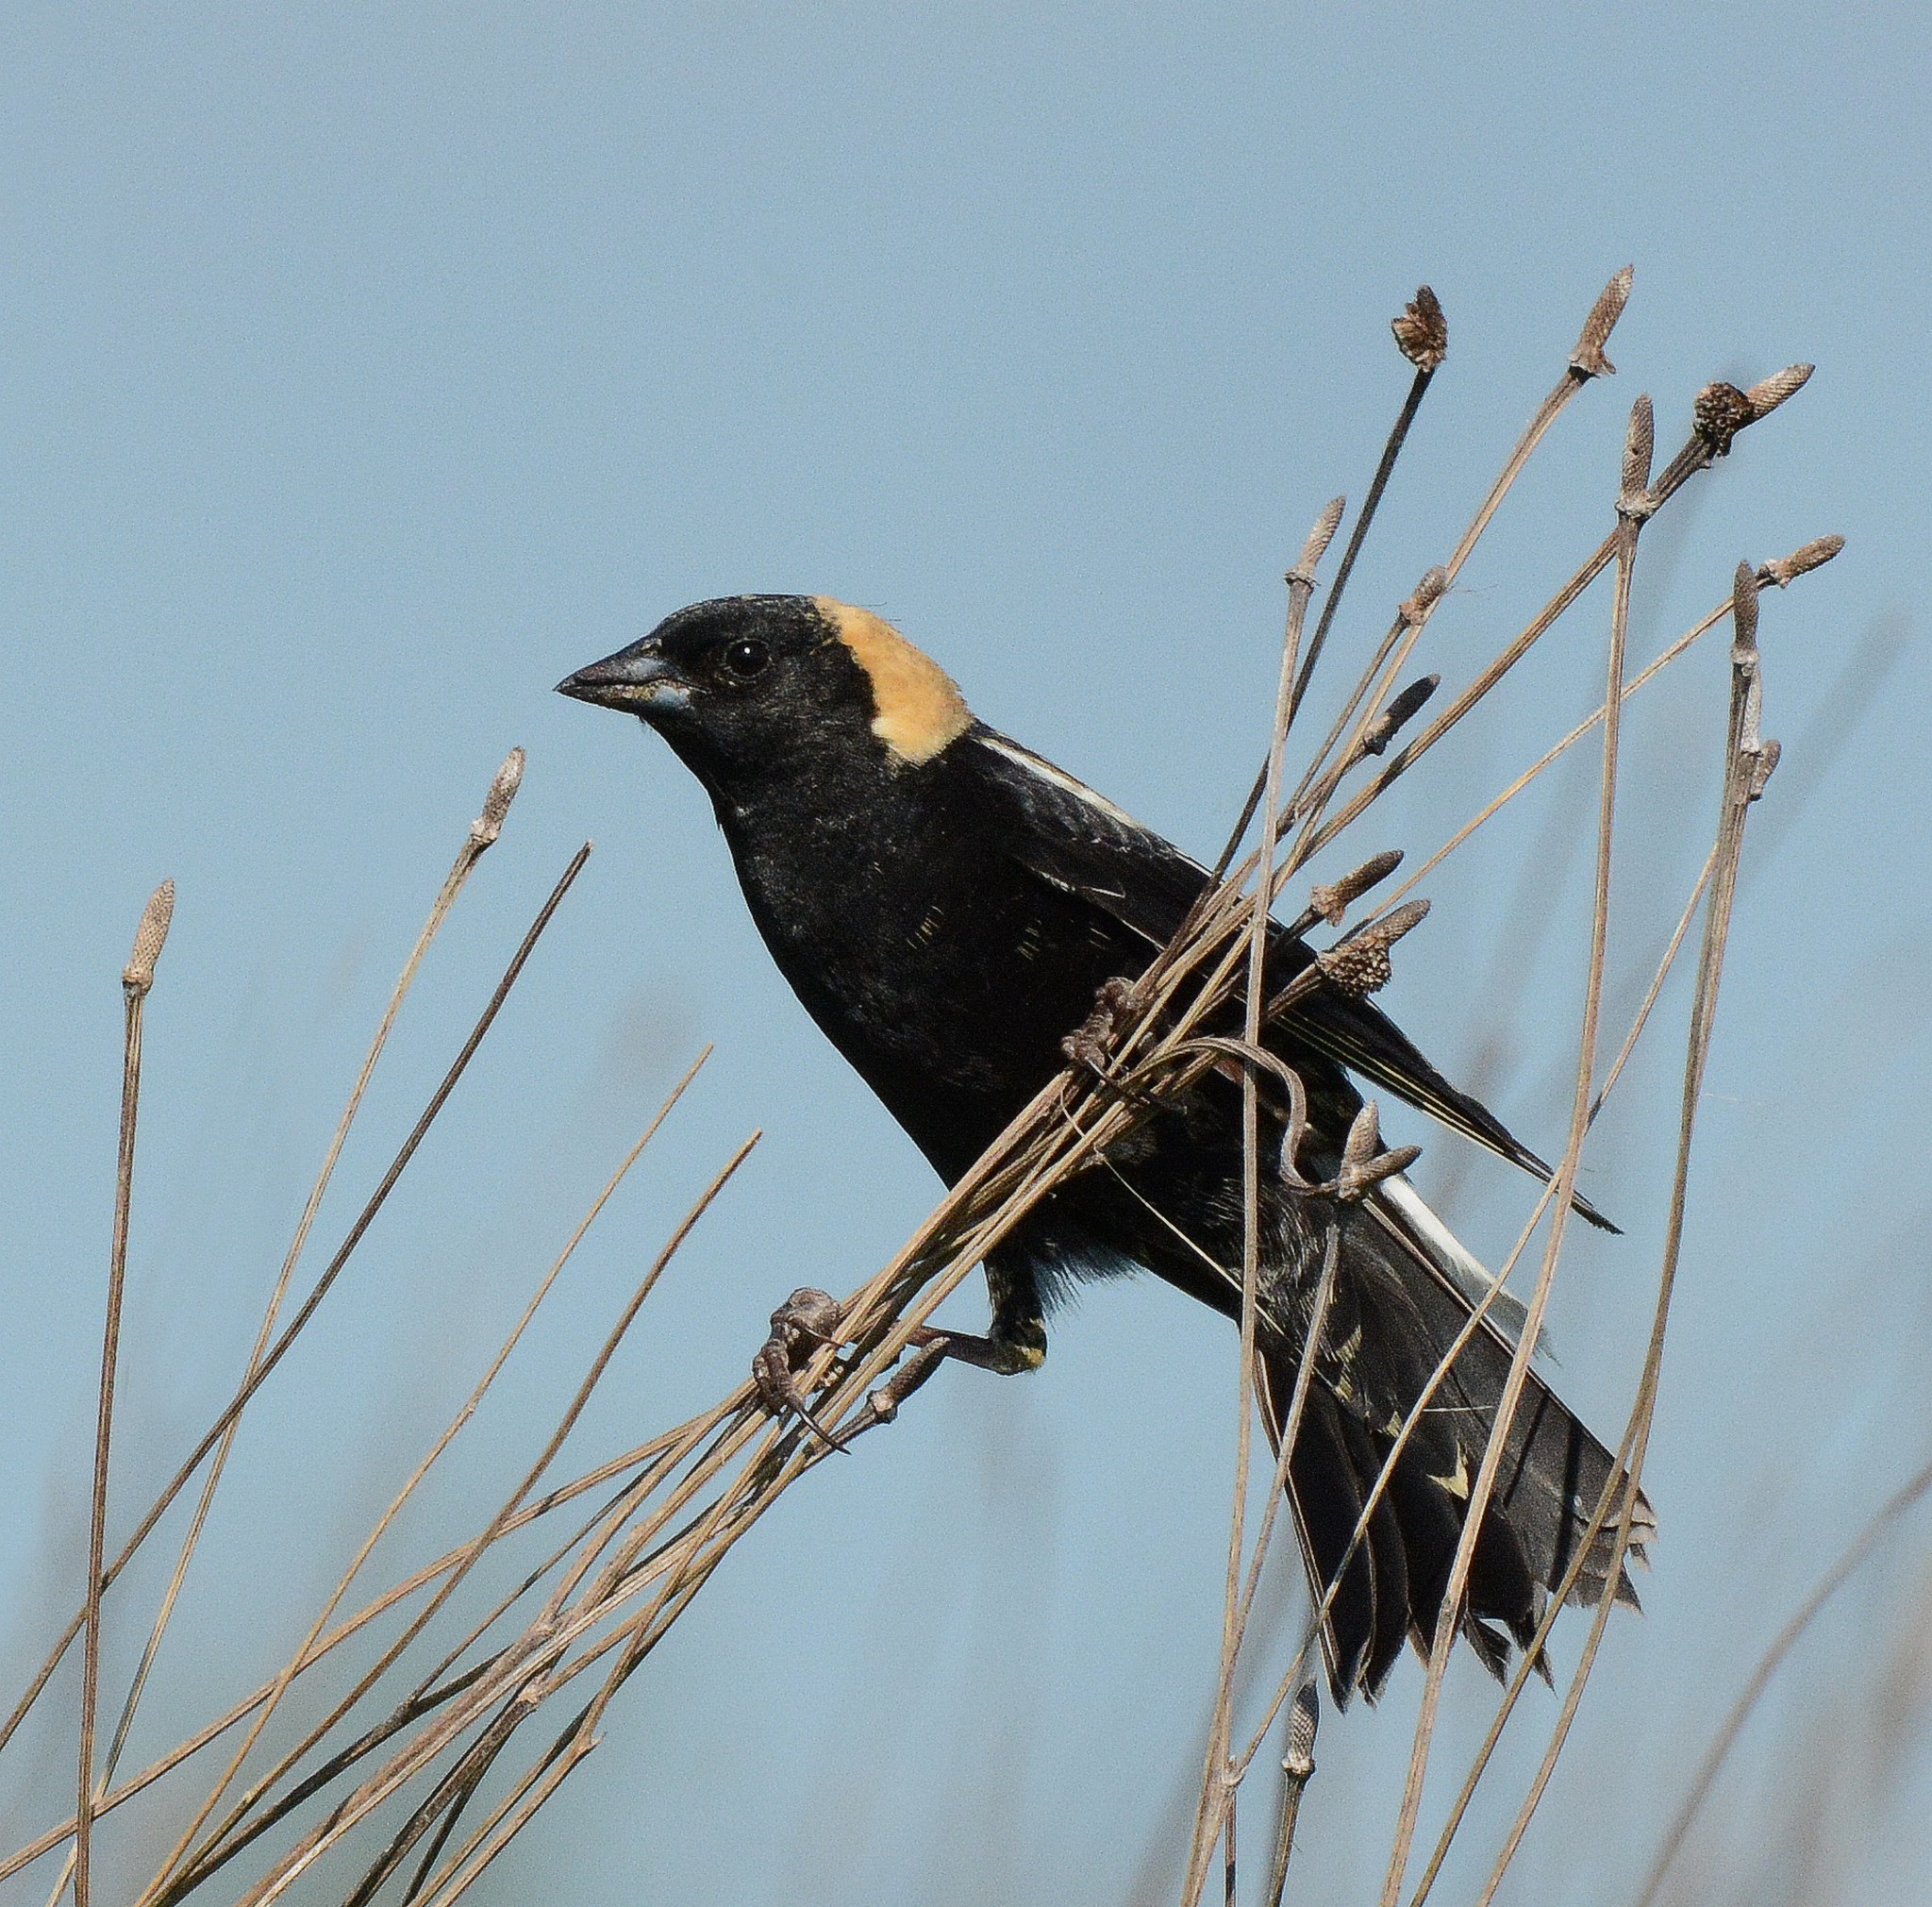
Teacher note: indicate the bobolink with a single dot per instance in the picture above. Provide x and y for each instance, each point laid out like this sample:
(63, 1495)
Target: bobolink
(948, 905)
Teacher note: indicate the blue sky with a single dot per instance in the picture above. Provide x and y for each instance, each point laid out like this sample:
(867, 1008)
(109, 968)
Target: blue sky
(363, 370)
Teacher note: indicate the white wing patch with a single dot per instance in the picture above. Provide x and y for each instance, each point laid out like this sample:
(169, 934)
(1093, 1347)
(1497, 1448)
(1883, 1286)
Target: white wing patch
(1463, 1269)
(1044, 770)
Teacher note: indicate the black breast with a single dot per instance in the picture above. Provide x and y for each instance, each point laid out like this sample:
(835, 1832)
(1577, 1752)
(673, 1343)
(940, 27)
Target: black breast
(943, 968)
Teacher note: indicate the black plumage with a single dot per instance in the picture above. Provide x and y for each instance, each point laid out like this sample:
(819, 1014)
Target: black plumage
(946, 906)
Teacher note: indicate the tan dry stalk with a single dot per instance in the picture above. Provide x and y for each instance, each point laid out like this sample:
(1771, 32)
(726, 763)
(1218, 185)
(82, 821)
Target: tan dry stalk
(1749, 762)
(1446, 1362)
(1301, 588)
(1746, 768)
(1421, 335)
(1319, 786)
(226, 1842)
(482, 833)
(1783, 572)
(211, 1731)
(137, 980)
(1559, 1595)
(1587, 361)
(1634, 505)
(1909, 1492)
(1707, 443)
(784, 1454)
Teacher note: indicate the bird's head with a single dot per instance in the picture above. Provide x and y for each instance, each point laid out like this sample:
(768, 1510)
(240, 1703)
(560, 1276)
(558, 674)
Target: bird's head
(746, 685)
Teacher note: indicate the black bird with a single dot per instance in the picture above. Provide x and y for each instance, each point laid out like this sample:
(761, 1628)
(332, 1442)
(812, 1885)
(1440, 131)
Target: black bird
(948, 905)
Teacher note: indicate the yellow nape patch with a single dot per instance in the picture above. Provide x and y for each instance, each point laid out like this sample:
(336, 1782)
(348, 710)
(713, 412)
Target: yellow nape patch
(919, 708)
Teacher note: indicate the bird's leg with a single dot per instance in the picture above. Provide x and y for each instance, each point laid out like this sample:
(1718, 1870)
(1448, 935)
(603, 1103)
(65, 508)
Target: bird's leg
(1016, 1343)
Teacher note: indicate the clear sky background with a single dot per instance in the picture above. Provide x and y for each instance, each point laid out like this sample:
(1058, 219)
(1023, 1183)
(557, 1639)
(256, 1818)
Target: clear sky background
(363, 370)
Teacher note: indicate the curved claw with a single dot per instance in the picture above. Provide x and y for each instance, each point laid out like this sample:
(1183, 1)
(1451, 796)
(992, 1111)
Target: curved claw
(808, 1318)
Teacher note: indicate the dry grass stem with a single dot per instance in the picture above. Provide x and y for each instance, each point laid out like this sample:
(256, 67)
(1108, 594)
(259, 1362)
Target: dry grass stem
(1301, 588)
(383, 1523)
(1913, 1491)
(1558, 1597)
(1710, 438)
(137, 980)
(483, 834)
(642, 1455)
(1783, 570)
(1421, 335)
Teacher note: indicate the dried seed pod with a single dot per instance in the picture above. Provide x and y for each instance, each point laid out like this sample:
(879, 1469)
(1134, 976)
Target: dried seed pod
(1358, 1181)
(1298, 1762)
(1360, 965)
(1588, 360)
(1721, 412)
(1357, 971)
(1805, 558)
(1744, 614)
(1639, 446)
(1331, 902)
(1402, 707)
(1320, 537)
(1766, 395)
(1364, 1164)
(1428, 593)
(1422, 332)
(503, 790)
(1364, 1137)
(138, 976)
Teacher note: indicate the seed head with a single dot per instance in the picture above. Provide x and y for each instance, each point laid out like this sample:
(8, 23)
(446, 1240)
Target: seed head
(1422, 332)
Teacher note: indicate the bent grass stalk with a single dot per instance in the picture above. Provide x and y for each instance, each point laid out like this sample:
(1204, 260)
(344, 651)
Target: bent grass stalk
(1301, 588)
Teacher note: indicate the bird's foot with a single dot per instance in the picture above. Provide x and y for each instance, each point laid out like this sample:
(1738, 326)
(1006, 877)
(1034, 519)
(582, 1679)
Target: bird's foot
(808, 1319)
(1090, 1045)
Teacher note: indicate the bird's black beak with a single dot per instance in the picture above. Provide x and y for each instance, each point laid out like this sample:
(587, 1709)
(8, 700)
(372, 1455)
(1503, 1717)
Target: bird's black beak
(639, 680)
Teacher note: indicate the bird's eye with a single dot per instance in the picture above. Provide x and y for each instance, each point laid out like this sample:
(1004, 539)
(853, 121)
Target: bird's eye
(746, 658)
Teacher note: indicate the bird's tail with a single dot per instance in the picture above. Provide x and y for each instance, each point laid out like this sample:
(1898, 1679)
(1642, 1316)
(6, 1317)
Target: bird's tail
(1397, 1308)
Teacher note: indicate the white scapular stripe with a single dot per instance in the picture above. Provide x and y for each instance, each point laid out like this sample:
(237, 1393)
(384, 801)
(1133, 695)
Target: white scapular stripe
(1463, 1269)
(1067, 784)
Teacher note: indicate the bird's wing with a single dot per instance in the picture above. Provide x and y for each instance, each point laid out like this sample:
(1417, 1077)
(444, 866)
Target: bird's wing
(1059, 828)
(1063, 832)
